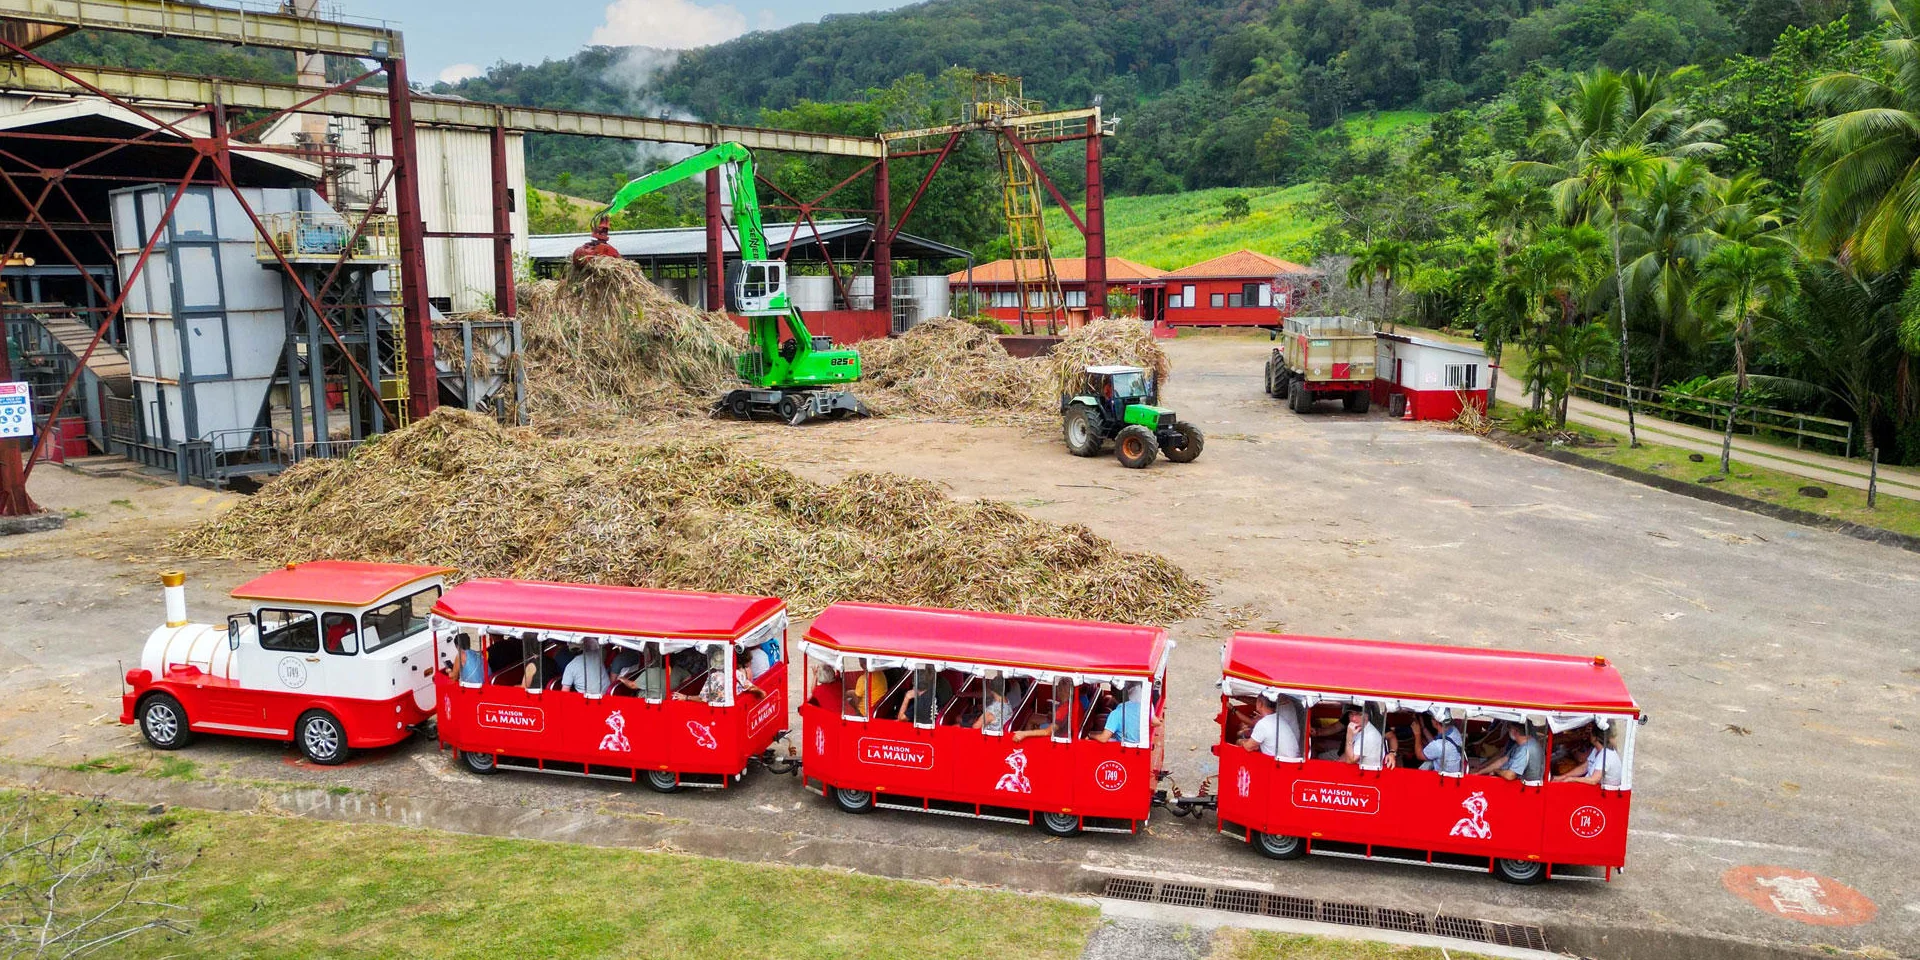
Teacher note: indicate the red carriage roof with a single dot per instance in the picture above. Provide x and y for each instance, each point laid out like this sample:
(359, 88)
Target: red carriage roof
(602, 610)
(1001, 639)
(340, 583)
(1412, 671)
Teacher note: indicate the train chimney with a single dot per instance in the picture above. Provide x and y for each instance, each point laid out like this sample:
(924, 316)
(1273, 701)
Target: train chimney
(173, 586)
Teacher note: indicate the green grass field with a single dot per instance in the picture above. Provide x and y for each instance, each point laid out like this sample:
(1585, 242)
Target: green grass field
(1173, 230)
(1386, 125)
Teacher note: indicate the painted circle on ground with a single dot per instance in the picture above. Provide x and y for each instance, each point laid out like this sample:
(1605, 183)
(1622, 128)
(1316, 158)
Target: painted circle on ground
(1798, 895)
(1110, 775)
(1587, 822)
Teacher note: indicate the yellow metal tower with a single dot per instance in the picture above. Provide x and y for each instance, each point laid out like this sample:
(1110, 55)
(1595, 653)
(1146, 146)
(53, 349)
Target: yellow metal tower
(997, 100)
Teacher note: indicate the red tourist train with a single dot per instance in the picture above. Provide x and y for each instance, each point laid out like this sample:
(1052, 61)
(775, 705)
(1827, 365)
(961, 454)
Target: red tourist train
(1518, 763)
(615, 683)
(1515, 763)
(996, 716)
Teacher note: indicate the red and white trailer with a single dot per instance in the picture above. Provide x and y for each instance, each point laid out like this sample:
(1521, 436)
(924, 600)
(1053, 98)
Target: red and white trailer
(669, 687)
(1337, 769)
(333, 655)
(1001, 717)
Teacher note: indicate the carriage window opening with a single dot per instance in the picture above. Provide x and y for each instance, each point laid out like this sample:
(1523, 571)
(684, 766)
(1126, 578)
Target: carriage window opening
(638, 672)
(1126, 720)
(1357, 738)
(687, 672)
(899, 685)
(930, 692)
(1588, 754)
(1519, 753)
(1439, 745)
(996, 712)
(398, 620)
(289, 631)
(1066, 707)
(964, 707)
(826, 684)
(337, 634)
(1273, 727)
(864, 688)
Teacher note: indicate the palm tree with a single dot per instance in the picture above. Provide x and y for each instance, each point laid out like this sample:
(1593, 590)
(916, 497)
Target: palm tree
(1844, 326)
(1511, 205)
(1735, 280)
(1863, 195)
(1668, 233)
(1385, 261)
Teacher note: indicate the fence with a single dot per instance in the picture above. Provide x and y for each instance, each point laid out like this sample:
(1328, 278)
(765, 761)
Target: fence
(225, 455)
(1712, 414)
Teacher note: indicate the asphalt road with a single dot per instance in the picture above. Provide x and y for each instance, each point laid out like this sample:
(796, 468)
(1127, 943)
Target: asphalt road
(1778, 663)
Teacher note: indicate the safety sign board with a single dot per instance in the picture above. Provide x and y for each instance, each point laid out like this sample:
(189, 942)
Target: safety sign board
(16, 411)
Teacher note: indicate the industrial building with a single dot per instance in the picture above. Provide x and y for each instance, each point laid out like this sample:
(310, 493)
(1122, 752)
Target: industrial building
(996, 289)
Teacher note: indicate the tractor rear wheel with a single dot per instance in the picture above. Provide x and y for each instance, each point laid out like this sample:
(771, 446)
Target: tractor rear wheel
(1192, 442)
(1136, 447)
(1083, 435)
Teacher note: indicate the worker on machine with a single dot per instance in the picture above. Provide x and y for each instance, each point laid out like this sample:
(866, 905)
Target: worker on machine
(598, 246)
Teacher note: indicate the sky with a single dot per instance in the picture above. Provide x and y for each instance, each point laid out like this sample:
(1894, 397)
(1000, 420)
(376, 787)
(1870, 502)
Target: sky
(452, 39)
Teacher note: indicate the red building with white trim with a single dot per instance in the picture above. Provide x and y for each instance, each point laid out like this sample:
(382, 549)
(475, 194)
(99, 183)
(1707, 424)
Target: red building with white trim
(1000, 296)
(1239, 289)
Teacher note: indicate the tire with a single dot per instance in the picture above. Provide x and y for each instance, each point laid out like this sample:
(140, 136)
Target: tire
(1299, 400)
(1195, 442)
(1058, 824)
(1273, 386)
(852, 801)
(787, 408)
(1279, 846)
(484, 764)
(739, 407)
(1523, 873)
(164, 722)
(321, 738)
(1083, 435)
(1359, 402)
(663, 781)
(1136, 447)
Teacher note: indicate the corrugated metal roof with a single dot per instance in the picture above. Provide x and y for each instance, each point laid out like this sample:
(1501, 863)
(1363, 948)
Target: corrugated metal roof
(1068, 269)
(690, 243)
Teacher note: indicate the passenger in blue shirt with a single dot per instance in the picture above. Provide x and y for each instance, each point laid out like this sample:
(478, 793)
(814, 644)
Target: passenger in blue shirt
(468, 666)
(1123, 721)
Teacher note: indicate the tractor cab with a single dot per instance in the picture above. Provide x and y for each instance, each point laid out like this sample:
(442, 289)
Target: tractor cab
(1121, 405)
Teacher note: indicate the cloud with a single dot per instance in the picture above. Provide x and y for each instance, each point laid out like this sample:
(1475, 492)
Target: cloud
(668, 24)
(461, 71)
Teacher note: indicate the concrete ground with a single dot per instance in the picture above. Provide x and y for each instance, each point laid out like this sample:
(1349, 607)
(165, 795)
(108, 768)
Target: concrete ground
(1778, 663)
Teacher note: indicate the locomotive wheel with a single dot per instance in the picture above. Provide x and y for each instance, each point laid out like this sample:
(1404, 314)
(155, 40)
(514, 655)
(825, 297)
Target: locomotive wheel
(321, 738)
(164, 722)
(1522, 872)
(1279, 846)
(480, 763)
(663, 781)
(1058, 824)
(852, 801)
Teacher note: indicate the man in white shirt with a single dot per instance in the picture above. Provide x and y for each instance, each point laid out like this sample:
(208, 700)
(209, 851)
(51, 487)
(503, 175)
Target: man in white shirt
(1602, 766)
(586, 672)
(1275, 733)
(1365, 745)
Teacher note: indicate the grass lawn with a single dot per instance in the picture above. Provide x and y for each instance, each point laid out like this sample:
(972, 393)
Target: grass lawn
(1386, 125)
(1231, 944)
(268, 886)
(1173, 230)
(1748, 480)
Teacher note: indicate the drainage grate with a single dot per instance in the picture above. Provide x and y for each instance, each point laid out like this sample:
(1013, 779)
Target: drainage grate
(1238, 900)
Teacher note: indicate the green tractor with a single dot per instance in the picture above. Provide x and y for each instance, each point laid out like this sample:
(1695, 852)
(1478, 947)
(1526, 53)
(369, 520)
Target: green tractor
(1120, 407)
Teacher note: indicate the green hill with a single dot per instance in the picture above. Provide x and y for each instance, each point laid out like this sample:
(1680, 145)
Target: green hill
(1176, 229)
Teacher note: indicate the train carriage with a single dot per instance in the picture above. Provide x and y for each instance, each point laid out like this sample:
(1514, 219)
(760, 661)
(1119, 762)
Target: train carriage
(674, 688)
(1002, 717)
(1476, 759)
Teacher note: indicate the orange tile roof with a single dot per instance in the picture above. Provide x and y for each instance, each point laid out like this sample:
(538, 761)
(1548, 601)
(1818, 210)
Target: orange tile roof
(1240, 263)
(1070, 270)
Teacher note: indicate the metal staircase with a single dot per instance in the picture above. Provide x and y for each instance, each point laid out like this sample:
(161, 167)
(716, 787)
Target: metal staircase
(997, 100)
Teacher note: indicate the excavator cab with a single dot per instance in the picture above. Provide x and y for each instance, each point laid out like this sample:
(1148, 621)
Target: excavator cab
(760, 288)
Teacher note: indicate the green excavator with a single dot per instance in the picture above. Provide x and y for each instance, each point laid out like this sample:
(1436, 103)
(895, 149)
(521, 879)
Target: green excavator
(793, 379)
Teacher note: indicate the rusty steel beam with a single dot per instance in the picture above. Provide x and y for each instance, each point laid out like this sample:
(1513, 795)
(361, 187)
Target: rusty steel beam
(372, 104)
(370, 40)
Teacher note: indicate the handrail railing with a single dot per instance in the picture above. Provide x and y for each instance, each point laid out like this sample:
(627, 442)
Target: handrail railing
(260, 451)
(1712, 413)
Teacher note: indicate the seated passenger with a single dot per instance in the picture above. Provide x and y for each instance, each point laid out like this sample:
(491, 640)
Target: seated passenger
(757, 660)
(1364, 744)
(1570, 751)
(867, 689)
(1123, 721)
(1274, 733)
(922, 707)
(1523, 760)
(997, 714)
(1440, 745)
(585, 672)
(1602, 766)
(467, 665)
